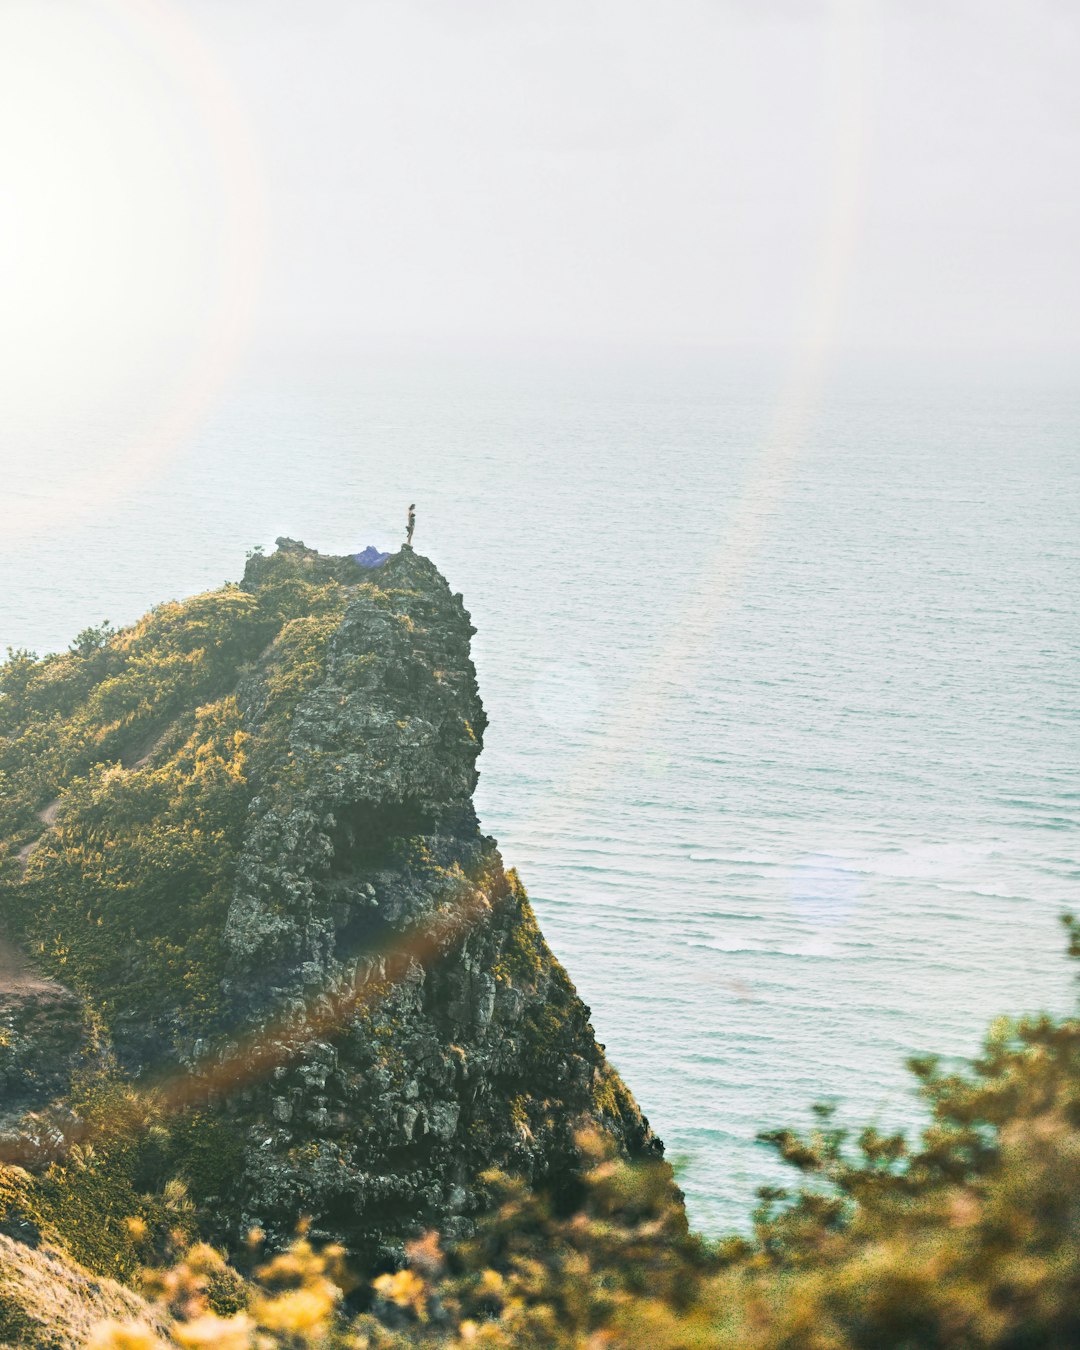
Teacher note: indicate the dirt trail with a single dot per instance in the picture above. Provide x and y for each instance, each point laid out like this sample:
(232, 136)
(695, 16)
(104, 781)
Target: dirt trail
(143, 753)
(47, 816)
(16, 976)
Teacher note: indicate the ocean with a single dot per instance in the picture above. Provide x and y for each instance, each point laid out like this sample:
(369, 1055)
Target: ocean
(784, 732)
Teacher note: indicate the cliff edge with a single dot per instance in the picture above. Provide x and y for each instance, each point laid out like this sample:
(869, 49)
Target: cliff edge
(241, 835)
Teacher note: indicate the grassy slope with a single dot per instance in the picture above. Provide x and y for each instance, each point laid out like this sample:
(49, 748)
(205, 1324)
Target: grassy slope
(46, 1300)
(124, 785)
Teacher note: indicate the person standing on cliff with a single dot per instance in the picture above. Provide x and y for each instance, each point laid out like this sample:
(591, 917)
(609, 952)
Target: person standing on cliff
(411, 525)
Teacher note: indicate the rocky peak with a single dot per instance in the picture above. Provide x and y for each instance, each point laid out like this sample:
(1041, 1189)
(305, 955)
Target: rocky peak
(264, 869)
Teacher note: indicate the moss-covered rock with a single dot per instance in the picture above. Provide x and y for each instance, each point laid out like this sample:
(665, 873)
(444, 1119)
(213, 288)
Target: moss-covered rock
(243, 833)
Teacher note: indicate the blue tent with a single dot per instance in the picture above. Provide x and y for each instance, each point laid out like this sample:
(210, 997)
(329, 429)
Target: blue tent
(371, 557)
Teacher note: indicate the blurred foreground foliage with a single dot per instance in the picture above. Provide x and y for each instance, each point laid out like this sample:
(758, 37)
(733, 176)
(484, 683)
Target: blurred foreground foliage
(968, 1237)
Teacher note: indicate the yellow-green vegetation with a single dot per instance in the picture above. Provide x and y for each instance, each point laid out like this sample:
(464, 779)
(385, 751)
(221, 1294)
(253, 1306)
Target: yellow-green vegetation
(298, 658)
(969, 1237)
(611, 1096)
(119, 1199)
(16, 1200)
(125, 899)
(526, 961)
(519, 1111)
(104, 700)
(293, 1300)
(125, 766)
(525, 956)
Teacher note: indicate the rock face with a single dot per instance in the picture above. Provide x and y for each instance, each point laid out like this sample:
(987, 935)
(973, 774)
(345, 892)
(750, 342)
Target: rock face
(369, 906)
(44, 1040)
(376, 1019)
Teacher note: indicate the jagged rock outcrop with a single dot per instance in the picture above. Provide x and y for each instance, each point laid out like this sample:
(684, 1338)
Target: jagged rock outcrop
(266, 874)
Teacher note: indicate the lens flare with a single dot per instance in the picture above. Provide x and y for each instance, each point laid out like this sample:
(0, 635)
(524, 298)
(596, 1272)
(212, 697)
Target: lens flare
(59, 238)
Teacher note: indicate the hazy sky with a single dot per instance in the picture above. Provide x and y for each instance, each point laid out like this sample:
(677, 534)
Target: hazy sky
(184, 180)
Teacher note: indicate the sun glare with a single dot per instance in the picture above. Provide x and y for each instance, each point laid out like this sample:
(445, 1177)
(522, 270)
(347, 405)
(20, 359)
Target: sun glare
(127, 238)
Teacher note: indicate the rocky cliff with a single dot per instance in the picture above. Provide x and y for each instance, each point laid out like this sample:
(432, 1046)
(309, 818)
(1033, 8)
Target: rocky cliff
(242, 857)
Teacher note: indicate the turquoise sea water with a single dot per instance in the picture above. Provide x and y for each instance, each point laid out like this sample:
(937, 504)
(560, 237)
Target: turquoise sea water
(784, 735)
